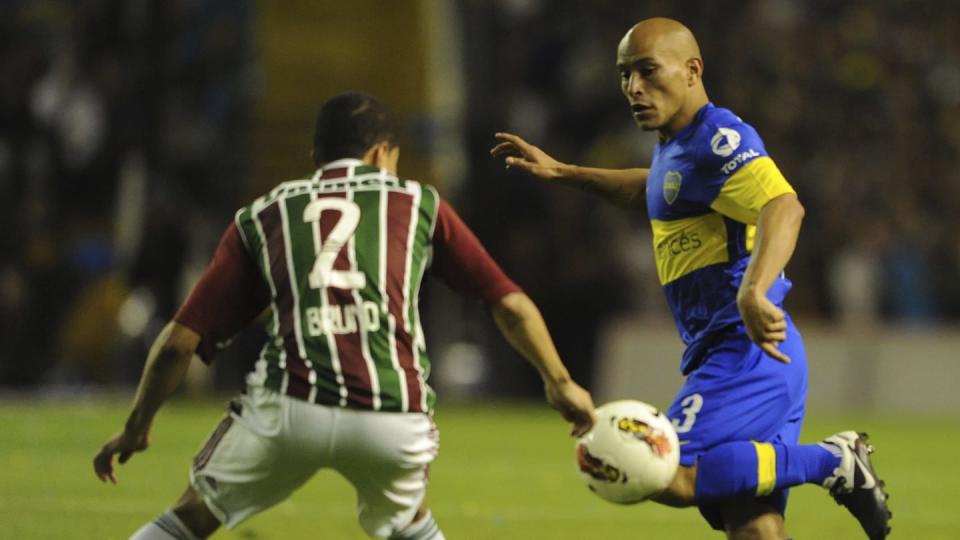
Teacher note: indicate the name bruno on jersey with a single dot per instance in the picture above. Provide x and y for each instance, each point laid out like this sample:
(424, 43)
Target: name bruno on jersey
(340, 320)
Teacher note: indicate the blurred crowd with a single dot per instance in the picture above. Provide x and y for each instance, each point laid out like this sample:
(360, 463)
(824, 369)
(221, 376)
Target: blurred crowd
(124, 125)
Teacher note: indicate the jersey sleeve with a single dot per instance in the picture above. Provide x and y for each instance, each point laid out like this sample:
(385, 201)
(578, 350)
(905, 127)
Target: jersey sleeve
(229, 295)
(741, 176)
(461, 262)
(745, 193)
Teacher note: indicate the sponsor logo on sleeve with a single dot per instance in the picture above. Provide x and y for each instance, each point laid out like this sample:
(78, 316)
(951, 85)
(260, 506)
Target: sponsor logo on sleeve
(738, 160)
(725, 142)
(671, 186)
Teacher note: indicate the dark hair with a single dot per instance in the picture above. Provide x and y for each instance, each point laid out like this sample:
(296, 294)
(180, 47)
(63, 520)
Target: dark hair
(348, 125)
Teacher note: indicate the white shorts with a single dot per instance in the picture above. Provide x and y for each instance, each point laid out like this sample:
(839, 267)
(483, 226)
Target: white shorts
(272, 444)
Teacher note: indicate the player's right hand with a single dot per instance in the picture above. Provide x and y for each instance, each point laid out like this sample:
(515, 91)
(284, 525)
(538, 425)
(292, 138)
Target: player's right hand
(765, 323)
(520, 154)
(124, 444)
(574, 403)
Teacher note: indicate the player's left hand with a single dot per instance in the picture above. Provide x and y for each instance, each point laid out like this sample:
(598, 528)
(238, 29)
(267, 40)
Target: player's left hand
(124, 444)
(574, 403)
(765, 323)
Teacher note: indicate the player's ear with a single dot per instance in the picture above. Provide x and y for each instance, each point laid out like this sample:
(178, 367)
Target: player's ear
(694, 71)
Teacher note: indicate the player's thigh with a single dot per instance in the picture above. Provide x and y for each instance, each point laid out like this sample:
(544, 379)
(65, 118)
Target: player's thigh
(247, 465)
(752, 519)
(386, 457)
(738, 394)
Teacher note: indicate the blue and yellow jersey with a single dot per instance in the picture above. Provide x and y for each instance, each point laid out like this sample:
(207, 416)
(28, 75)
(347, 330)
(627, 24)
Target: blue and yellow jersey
(705, 191)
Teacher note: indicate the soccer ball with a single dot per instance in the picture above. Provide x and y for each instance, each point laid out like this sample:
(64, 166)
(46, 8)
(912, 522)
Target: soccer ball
(631, 453)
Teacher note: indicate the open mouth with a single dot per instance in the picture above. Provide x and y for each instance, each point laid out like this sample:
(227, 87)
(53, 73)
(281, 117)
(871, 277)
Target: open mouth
(639, 108)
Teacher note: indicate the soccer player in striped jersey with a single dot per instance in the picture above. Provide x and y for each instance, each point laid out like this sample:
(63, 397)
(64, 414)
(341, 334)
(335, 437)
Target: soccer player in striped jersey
(335, 262)
(725, 222)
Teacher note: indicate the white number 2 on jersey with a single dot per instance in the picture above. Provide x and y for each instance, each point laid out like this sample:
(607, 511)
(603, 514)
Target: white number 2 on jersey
(323, 274)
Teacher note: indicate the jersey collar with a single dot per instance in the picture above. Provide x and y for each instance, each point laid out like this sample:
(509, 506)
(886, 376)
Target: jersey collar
(338, 168)
(694, 124)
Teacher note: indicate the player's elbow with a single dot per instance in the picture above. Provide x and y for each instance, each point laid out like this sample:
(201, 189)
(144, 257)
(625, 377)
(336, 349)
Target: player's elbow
(798, 208)
(512, 309)
(788, 206)
(177, 342)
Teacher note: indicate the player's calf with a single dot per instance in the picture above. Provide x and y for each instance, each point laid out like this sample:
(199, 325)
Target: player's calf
(751, 519)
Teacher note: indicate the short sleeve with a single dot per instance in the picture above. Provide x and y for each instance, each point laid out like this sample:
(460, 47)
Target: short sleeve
(744, 194)
(461, 262)
(229, 296)
(739, 176)
(726, 145)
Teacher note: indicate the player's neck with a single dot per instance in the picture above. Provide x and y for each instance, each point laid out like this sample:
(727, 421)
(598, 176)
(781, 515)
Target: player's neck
(684, 117)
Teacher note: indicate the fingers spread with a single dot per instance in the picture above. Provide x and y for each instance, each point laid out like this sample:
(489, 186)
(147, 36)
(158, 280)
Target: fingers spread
(504, 149)
(508, 137)
(521, 164)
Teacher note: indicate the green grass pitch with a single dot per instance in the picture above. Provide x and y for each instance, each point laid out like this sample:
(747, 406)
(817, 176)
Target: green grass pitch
(505, 471)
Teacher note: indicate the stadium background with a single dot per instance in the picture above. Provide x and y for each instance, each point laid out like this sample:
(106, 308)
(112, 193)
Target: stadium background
(131, 130)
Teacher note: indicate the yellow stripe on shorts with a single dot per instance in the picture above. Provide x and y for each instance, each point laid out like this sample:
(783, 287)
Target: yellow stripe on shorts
(766, 468)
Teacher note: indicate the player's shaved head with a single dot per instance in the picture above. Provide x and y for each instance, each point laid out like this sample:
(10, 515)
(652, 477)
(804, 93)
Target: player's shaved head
(660, 74)
(661, 35)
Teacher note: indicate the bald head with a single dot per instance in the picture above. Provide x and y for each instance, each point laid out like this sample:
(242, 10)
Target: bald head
(668, 37)
(660, 74)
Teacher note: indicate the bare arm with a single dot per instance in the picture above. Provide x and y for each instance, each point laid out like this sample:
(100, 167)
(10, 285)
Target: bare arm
(166, 365)
(523, 327)
(622, 186)
(777, 232)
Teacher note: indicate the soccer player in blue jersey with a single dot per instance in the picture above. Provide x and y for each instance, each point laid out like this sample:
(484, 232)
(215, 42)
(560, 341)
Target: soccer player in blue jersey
(725, 223)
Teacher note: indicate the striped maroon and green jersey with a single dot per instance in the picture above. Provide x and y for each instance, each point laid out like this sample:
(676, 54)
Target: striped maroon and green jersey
(339, 259)
(344, 255)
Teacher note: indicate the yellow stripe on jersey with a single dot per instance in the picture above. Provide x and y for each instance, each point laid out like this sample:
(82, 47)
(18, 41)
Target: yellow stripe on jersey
(749, 189)
(766, 468)
(684, 245)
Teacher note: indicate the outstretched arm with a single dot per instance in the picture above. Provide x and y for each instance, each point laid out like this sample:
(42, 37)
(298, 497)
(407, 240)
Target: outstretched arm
(776, 238)
(622, 186)
(164, 371)
(522, 325)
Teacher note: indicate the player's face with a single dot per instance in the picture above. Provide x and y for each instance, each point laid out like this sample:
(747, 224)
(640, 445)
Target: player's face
(653, 81)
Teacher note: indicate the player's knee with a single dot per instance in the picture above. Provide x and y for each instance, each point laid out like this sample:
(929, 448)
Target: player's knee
(194, 514)
(682, 490)
(423, 527)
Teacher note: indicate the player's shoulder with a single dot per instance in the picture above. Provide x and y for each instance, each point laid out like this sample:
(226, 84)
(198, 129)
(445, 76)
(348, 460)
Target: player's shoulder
(724, 140)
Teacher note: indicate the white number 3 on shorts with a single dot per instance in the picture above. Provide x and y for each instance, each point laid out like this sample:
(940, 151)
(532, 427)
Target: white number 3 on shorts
(691, 406)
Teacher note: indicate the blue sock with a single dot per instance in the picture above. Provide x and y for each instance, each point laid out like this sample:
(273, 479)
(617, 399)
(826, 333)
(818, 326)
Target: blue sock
(758, 469)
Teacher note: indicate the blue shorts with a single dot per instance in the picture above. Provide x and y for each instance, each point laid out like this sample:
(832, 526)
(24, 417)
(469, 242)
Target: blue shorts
(739, 393)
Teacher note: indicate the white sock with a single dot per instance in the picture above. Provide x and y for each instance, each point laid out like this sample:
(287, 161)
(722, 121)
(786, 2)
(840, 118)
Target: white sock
(425, 528)
(166, 527)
